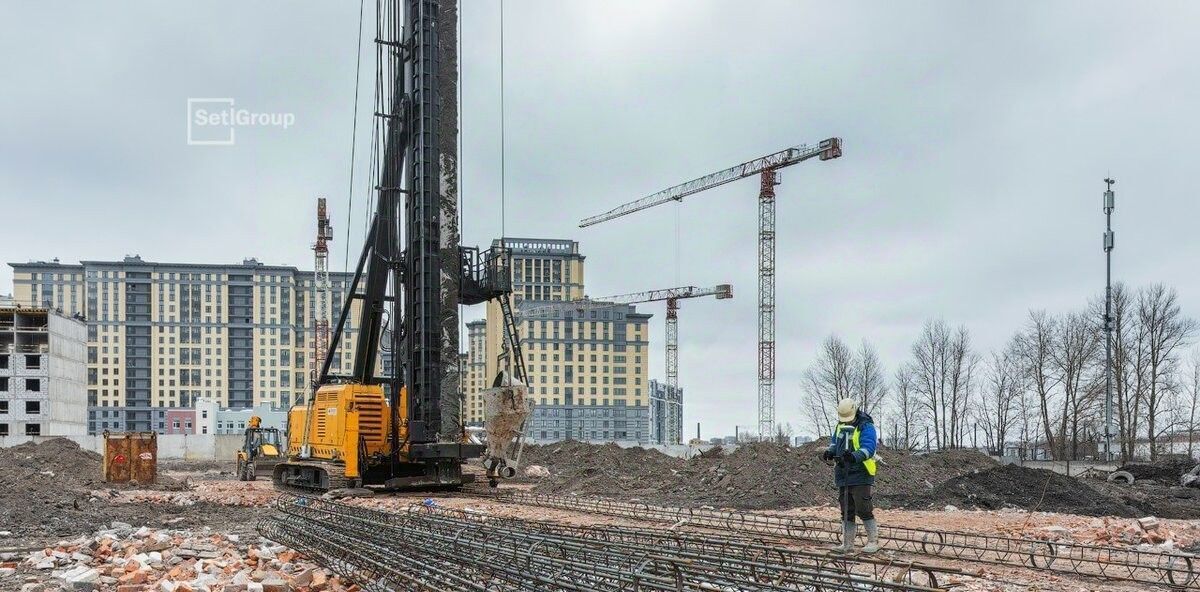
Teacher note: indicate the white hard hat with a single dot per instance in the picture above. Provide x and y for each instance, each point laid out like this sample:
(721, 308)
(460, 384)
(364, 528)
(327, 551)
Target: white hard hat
(846, 410)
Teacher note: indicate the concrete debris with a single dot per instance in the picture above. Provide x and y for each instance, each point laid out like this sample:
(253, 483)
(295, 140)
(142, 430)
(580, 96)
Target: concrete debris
(537, 471)
(1191, 478)
(123, 559)
(1148, 523)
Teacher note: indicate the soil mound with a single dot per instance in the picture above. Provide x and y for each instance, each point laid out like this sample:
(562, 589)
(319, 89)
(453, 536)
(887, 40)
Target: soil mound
(1013, 486)
(771, 476)
(603, 470)
(46, 488)
(1165, 471)
(751, 476)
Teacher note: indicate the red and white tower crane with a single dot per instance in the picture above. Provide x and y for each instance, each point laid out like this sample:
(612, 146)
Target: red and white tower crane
(768, 167)
(673, 402)
(321, 297)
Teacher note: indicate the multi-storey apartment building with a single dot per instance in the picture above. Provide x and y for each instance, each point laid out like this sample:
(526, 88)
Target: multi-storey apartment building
(42, 372)
(164, 335)
(587, 369)
(664, 405)
(475, 377)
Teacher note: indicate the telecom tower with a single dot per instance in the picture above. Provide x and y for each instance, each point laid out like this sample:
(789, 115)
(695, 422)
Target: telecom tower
(321, 297)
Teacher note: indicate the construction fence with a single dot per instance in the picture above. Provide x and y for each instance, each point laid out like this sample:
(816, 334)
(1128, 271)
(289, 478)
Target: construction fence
(219, 447)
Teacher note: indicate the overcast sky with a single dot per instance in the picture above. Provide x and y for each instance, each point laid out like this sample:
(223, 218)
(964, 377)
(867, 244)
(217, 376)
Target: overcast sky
(976, 137)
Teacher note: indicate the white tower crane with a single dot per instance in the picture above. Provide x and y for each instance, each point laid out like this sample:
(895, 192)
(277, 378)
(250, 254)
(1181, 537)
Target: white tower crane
(673, 403)
(767, 167)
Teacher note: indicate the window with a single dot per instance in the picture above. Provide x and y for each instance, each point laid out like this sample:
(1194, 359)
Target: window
(4, 361)
(33, 429)
(33, 407)
(3, 407)
(174, 424)
(3, 383)
(33, 362)
(33, 384)
(3, 429)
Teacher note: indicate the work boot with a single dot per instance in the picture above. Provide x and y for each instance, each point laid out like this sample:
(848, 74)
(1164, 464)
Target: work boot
(849, 529)
(872, 536)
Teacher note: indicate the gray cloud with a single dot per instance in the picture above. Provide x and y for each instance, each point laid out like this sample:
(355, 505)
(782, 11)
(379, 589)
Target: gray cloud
(976, 136)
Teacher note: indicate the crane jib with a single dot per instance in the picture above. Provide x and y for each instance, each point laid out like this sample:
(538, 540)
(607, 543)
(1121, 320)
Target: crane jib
(826, 149)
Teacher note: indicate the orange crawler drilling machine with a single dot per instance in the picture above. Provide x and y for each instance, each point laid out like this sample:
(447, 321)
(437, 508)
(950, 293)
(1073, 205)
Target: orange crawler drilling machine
(364, 429)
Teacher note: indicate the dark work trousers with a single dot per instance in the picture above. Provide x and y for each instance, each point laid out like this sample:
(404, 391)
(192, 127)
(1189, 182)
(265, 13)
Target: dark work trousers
(856, 501)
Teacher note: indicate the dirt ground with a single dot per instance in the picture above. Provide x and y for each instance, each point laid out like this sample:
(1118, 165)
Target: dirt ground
(771, 477)
(56, 513)
(753, 477)
(1013, 523)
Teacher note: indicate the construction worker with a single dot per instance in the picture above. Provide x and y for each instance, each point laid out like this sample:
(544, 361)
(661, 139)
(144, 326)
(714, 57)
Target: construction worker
(852, 449)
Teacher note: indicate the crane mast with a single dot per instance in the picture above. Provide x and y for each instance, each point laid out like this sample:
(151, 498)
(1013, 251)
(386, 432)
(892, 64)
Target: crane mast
(673, 402)
(320, 297)
(767, 168)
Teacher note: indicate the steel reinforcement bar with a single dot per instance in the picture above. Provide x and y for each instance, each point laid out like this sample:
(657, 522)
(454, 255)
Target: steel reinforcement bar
(695, 545)
(1167, 569)
(435, 550)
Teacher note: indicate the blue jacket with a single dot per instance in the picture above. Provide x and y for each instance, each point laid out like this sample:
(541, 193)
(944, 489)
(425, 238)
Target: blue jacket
(854, 473)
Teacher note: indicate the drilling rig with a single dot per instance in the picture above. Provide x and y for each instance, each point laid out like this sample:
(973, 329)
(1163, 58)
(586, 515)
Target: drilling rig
(386, 429)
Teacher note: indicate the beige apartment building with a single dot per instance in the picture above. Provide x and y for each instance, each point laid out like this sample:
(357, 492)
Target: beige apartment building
(588, 369)
(164, 335)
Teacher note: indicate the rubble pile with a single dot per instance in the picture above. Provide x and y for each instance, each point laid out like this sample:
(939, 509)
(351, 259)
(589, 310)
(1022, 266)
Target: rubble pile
(751, 476)
(608, 469)
(772, 476)
(1013, 486)
(44, 487)
(123, 559)
(55, 488)
(1166, 471)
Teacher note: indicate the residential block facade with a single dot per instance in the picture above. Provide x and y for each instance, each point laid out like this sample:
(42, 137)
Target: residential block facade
(162, 336)
(665, 404)
(587, 369)
(42, 373)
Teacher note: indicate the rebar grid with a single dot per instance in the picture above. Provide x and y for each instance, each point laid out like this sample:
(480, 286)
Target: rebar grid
(692, 545)
(383, 550)
(1174, 570)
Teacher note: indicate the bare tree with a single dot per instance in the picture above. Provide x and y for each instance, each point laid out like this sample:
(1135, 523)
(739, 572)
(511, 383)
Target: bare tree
(904, 430)
(1076, 346)
(1192, 403)
(942, 367)
(1165, 330)
(928, 372)
(784, 433)
(962, 364)
(1000, 397)
(1036, 344)
(870, 384)
(1127, 366)
(829, 380)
